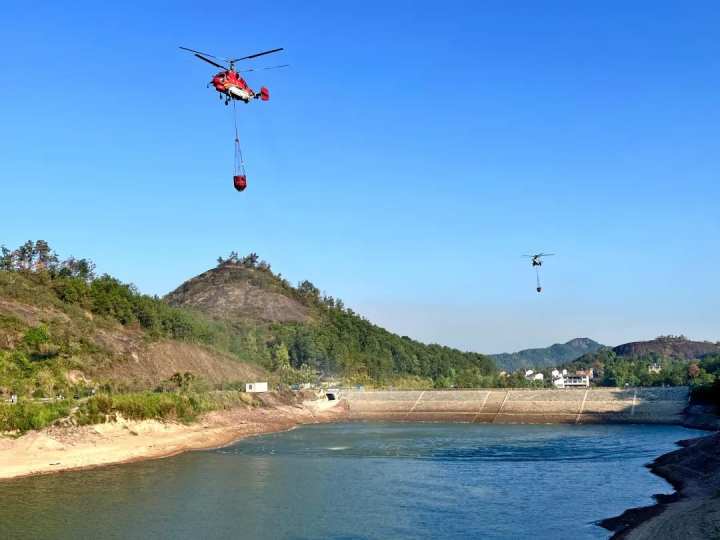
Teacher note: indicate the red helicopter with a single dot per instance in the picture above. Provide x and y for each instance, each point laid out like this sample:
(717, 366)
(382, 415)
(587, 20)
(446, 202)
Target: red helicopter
(230, 84)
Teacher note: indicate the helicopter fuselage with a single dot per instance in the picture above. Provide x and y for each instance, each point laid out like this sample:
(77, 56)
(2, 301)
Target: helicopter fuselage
(230, 84)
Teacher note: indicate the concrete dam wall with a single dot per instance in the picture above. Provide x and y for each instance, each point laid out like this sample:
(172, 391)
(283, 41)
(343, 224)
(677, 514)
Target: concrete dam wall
(517, 406)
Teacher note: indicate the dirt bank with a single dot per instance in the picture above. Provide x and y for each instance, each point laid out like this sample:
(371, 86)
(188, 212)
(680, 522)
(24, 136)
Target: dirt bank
(693, 512)
(64, 448)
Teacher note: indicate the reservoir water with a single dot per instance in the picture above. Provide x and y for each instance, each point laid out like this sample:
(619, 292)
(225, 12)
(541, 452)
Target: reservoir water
(358, 481)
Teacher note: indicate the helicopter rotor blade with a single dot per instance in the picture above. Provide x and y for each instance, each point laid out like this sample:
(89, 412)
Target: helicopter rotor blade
(260, 69)
(257, 54)
(200, 52)
(201, 57)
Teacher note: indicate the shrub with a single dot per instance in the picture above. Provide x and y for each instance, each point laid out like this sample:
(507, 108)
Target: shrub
(27, 415)
(35, 337)
(143, 406)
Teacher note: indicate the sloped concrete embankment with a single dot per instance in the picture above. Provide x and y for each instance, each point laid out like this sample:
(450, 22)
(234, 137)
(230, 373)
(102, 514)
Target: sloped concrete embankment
(501, 406)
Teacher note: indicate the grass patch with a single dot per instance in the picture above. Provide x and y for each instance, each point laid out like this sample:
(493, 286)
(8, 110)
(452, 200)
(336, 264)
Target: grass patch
(183, 407)
(28, 415)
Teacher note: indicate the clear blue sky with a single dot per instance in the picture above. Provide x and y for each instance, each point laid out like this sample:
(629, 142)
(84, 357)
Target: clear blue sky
(406, 160)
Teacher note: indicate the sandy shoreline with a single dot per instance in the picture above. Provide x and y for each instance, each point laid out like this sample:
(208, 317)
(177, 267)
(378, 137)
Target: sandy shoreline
(59, 449)
(693, 511)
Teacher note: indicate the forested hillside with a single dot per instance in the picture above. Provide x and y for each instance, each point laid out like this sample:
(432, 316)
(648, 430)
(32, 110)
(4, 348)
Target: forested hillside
(322, 335)
(652, 368)
(75, 344)
(57, 316)
(552, 356)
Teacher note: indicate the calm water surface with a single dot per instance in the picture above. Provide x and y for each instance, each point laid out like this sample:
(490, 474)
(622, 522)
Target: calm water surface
(358, 481)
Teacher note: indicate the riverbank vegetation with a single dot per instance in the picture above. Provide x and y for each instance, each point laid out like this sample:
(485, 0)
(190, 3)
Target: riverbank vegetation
(178, 406)
(651, 369)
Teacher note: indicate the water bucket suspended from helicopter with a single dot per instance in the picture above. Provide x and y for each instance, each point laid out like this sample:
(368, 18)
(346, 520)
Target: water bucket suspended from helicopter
(240, 182)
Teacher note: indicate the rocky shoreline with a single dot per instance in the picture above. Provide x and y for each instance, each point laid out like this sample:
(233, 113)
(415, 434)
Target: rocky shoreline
(693, 510)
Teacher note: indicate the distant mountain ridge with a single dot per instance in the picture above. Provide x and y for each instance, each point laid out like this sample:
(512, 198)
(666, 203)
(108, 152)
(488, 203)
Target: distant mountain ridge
(556, 354)
(668, 347)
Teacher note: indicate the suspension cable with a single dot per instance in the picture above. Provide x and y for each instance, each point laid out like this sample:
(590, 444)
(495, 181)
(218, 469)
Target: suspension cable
(239, 165)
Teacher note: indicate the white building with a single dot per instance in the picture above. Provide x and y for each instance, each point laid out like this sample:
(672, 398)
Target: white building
(576, 381)
(530, 375)
(256, 387)
(566, 380)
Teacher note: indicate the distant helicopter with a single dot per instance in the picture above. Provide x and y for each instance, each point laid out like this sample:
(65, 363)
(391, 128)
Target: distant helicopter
(536, 261)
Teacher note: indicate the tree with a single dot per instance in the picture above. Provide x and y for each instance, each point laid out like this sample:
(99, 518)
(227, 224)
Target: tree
(25, 255)
(308, 290)
(693, 370)
(46, 259)
(250, 260)
(280, 356)
(78, 268)
(7, 259)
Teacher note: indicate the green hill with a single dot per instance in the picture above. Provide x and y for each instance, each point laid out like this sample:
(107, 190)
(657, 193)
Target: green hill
(666, 360)
(66, 335)
(678, 347)
(64, 330)
(284, 326)
(552, 356)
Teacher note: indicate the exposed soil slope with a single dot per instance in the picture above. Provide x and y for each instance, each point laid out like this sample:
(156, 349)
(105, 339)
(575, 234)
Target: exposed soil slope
(232, 291)
(103, 350)
(147, 364)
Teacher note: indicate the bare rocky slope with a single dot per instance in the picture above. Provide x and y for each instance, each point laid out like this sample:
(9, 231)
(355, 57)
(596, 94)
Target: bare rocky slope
(269, 316)
(233, 292)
